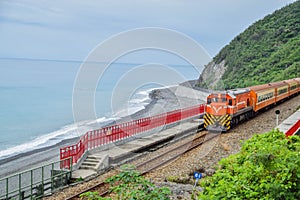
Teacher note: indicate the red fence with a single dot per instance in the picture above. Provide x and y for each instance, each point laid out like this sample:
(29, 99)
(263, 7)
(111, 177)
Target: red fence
(294, 129)
(96, 138)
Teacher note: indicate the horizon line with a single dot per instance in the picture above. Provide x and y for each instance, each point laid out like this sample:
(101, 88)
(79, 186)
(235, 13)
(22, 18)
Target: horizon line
(73, 61)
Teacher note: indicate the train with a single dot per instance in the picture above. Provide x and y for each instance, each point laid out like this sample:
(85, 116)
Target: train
(226, 109)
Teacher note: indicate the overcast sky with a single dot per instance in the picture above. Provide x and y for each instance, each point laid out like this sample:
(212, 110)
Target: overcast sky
(69, 30)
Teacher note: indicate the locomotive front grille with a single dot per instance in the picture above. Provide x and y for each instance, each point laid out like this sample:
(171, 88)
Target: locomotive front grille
(217, 121)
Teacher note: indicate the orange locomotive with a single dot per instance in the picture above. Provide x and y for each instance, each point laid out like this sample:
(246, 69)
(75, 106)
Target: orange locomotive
(228, 108)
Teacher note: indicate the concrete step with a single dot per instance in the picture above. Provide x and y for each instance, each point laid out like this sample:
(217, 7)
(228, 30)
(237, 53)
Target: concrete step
(92, 162)
(86, 163)
(87, 167)
(94, 157)
(83, 173)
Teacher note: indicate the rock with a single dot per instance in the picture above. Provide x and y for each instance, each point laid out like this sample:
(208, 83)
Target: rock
(180, 191)
(200, 169)
(225, 146)
(212, 74)
(210, 171)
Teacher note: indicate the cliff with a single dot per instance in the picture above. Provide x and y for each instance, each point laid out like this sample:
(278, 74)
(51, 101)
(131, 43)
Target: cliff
(269, 50)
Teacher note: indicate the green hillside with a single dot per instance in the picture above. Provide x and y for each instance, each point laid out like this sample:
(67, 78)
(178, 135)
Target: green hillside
(269, 50)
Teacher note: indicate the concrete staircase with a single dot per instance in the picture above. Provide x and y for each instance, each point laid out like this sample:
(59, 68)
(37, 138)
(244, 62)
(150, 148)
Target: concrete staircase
(91, 165)
(91, 162)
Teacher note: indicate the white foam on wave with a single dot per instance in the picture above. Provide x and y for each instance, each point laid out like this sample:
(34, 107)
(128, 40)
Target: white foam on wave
(50, 139)
(140, 98)
(138, 102)
(164, 87)
(102, 120)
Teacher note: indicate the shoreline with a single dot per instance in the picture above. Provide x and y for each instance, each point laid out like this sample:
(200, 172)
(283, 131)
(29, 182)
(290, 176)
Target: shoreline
(48, 154)
(162, 100)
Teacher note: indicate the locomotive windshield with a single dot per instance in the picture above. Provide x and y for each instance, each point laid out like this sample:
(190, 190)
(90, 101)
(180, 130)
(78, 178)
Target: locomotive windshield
(216, 100)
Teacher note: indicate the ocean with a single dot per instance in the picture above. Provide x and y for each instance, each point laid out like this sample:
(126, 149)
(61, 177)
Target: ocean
(36, 100)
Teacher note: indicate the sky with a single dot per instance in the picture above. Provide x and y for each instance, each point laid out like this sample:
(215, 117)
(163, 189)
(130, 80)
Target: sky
(70, 30)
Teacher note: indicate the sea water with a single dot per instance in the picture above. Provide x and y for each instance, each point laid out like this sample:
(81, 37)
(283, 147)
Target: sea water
(36, 101)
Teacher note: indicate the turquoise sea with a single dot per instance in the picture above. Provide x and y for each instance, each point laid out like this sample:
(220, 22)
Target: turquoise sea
(36, 100)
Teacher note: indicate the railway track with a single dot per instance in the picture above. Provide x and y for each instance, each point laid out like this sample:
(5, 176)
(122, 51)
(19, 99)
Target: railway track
(259, 124)
(155, 162)
(170, 154)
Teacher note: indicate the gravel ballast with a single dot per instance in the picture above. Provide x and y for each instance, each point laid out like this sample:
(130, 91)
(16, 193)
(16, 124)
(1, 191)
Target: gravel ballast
(203, 159)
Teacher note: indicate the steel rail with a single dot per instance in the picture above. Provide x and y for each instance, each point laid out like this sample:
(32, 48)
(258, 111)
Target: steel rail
(201, 140)
(190, 144)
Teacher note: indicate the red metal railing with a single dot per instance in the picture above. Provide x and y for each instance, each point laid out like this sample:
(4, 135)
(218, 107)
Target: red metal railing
(293, 129)
(96, 138)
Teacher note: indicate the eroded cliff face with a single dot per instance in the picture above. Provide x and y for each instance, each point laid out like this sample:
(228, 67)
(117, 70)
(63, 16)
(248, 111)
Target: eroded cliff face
(211, 75)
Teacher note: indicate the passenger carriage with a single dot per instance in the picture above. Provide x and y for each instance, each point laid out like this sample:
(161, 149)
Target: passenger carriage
(227, 108)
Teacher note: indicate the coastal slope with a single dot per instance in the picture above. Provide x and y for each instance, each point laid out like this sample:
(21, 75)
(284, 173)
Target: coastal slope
(267, 51)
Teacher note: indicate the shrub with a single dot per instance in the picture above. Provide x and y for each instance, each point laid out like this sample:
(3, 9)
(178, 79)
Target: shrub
(267, 167)
(129, 184)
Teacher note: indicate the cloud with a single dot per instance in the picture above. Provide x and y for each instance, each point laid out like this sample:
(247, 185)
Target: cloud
(70, 29)
(20, 21)
(20, 12)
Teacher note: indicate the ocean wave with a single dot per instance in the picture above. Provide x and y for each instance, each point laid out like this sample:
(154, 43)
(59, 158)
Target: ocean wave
(138, 102)
(53, 138)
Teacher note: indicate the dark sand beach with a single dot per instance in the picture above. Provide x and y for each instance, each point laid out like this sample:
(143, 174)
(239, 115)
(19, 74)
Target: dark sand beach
(163, 100)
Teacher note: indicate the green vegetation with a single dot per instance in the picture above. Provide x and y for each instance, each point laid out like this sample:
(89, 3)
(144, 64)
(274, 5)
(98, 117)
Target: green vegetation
(129, 184)
(92, 196)
(269, 50)
(268, 167)
(79, 179)
(179, 179)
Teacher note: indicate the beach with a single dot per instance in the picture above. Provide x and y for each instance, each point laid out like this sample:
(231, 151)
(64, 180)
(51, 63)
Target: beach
(162, 100)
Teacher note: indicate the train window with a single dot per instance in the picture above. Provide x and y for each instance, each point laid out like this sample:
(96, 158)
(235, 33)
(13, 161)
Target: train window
(282, 91)
(209, 101)
(293, 87)
(224, 100)
(215, 99)
(230, 102)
